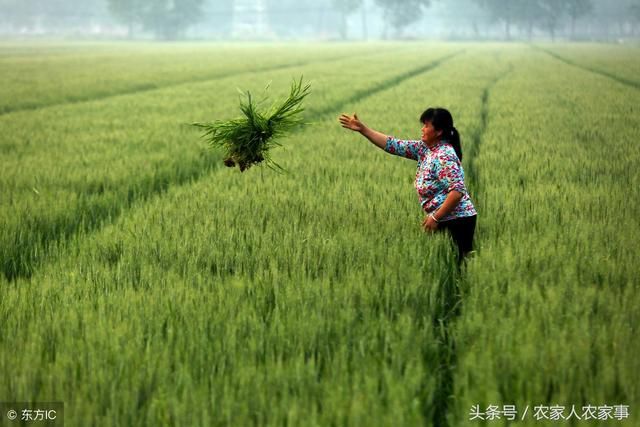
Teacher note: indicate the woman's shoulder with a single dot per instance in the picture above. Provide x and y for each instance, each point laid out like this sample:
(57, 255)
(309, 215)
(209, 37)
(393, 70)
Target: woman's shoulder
(446, 152)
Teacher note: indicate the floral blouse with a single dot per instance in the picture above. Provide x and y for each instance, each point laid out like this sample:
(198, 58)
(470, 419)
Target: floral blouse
(439, 172)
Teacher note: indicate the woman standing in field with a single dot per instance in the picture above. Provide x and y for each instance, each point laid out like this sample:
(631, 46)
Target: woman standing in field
(439, 178)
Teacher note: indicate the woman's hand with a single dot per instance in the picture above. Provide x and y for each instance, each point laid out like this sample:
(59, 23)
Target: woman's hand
(351, 122)
(429, 224)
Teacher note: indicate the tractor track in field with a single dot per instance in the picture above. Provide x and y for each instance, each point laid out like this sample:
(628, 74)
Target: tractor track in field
(474, 150)
(600, 72)
(22, 260)
(450, 302)
(149, 87)
(387, 84)
(140, 88)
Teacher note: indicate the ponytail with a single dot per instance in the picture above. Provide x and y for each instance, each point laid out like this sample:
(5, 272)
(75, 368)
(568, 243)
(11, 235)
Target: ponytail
(454, 139)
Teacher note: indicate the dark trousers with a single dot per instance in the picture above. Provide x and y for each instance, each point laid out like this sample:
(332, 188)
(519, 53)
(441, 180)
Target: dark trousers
(461, 231)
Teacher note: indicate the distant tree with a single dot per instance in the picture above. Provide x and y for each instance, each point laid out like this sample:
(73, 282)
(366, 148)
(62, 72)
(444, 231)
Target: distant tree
(302, 18)
(463, 14)
(610, 17)
(345, 8)
(501, 10)
(577, 9)
(527, 13)
(129, 12)
(400, 13)
(634, 14)
(169, 19)
(552, 13)
(634, 11)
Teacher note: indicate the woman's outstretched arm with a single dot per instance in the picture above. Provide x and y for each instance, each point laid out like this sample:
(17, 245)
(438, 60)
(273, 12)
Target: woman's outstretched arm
(353, 123)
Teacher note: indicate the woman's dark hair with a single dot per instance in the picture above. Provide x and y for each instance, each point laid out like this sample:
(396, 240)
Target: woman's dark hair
(442, 120)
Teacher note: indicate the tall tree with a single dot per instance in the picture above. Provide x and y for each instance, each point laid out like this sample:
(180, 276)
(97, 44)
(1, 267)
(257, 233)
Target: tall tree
(345, 8)
(634, 13)
(400, 13)
(169, 19)
(462, 14)
(552, 13)
(527, 13)
(501, 10)
(610, 17)
(129, 12)
(577, 9)
(301, 18)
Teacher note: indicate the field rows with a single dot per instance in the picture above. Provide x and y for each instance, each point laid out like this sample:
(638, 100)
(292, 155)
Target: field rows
(313, 297)
(548, 311)
(37, 81)
(129, 148)
(618, 63)
(326, 240)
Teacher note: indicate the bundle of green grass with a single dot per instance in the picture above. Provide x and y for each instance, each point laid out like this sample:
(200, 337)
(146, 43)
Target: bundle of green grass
(247, 140)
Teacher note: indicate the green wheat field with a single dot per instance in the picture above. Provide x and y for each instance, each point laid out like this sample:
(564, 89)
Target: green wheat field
(142, 283)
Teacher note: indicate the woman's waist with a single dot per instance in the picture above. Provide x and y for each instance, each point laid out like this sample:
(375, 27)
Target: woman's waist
(463, 208)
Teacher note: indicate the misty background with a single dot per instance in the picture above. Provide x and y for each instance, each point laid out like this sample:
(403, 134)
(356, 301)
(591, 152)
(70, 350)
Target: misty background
(589, 20)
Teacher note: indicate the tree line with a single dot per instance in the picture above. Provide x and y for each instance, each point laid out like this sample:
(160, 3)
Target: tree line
(545, 14)
(170, 19)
